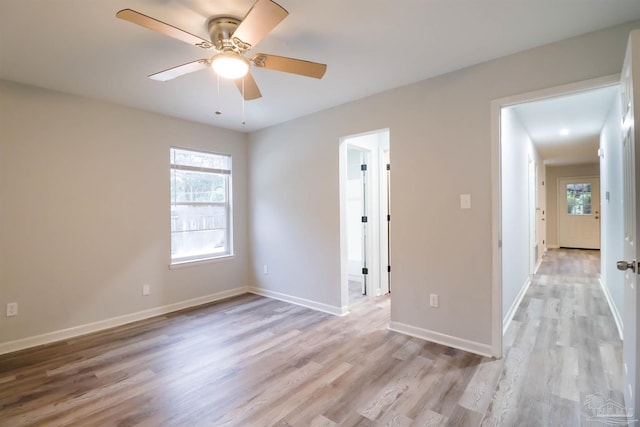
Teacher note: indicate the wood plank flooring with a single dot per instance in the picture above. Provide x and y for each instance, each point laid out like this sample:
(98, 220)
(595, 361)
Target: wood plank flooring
(253, 361)
(562, 354)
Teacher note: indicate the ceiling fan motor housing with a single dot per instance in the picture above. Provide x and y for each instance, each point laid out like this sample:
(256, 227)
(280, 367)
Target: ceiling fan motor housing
(221, 30)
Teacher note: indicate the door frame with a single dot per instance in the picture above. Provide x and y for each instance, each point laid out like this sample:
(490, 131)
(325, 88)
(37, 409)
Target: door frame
(496, 190)
(377, 197)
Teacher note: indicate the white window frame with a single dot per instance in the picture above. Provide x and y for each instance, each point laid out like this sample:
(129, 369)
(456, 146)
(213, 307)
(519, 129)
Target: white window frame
(228, 204)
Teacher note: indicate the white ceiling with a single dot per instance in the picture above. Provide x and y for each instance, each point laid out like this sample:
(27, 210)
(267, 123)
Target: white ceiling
(566, 129)
(78, 46)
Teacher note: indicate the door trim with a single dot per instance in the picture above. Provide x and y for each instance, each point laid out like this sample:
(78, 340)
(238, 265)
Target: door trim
(496, 191)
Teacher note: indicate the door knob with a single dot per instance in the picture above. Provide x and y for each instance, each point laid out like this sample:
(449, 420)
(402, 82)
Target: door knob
(624, 265)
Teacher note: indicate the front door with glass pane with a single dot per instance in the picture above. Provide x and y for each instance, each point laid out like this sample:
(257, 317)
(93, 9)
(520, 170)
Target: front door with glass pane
(579, 212)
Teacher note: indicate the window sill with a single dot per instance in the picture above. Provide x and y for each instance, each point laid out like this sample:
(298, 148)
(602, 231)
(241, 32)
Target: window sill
(212, 260)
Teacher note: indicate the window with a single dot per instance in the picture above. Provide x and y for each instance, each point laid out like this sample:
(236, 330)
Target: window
(579, 199)
(200, 205)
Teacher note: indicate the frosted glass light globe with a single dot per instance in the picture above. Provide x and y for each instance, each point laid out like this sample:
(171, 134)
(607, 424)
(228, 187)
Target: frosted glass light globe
(230, 65)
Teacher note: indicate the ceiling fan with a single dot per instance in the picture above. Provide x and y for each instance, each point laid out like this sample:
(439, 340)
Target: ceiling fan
(231, 38)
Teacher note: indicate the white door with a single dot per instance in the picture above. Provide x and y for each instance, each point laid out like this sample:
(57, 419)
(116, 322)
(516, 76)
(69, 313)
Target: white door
(579, 212)
(631, 182)
(354, 207)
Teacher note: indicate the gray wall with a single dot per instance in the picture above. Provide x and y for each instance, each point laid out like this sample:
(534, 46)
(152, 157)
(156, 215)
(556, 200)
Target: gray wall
(84, 216)
(612, 209)
(440, 148)
(516, 150)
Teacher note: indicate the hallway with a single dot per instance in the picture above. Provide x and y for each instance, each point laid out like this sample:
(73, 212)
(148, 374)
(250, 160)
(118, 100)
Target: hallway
(562, 354)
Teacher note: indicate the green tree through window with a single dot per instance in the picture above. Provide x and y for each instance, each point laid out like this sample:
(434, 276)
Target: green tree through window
(579, 199)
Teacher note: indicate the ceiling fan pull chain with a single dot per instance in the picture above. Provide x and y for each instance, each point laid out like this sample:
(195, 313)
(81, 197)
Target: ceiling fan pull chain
(243, 100)
(218, 112)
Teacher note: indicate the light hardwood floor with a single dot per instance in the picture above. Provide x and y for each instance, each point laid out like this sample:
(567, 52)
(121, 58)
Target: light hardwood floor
(253, 361)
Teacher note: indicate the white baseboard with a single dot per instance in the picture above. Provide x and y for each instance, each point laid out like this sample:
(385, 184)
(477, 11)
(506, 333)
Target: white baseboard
(49, 337)
(326, 308)
(439, 338)
(538, 265)
(612, 306)
(514, 307)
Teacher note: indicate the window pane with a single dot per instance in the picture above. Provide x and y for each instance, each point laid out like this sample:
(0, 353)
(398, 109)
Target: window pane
(199, 159)
(579, 199)
(193, 218)
(190, 186)
(197, 231)
(198, 244)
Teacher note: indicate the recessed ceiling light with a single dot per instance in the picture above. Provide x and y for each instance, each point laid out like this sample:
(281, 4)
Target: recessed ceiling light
(564, 132)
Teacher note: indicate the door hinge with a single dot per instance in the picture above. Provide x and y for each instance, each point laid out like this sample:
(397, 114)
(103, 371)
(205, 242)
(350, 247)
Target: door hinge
(363, 219)
(388, 166)
(365, 270)
(388, 218)
(363, 167)
(388, 269)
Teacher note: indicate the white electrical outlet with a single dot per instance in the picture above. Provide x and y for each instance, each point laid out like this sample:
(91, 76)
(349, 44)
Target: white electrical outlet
(146, 290)
(12, 309)
(434, 300)
(265, 269)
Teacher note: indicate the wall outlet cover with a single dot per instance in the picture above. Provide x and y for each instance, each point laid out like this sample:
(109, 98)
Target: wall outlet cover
(12, 309)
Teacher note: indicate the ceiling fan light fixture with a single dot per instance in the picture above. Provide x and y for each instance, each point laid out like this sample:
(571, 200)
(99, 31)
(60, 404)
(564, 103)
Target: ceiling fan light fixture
(230, 65)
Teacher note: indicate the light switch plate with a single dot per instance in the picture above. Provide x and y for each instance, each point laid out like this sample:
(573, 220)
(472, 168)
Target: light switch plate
(434, 300)
(465, 201)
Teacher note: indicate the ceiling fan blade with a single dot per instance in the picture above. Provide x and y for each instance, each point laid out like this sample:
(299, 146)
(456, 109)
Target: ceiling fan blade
(289, 65)
(251, 90)
(162, 27)
(259, 21)
(180, 70)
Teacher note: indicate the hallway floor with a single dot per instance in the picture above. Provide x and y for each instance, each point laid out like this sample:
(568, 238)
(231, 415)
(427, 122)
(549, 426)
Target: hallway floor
(562, 354)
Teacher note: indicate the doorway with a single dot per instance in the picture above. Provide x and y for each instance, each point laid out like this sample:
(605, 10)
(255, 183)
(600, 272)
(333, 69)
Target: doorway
(521, 172)
(364, 215)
